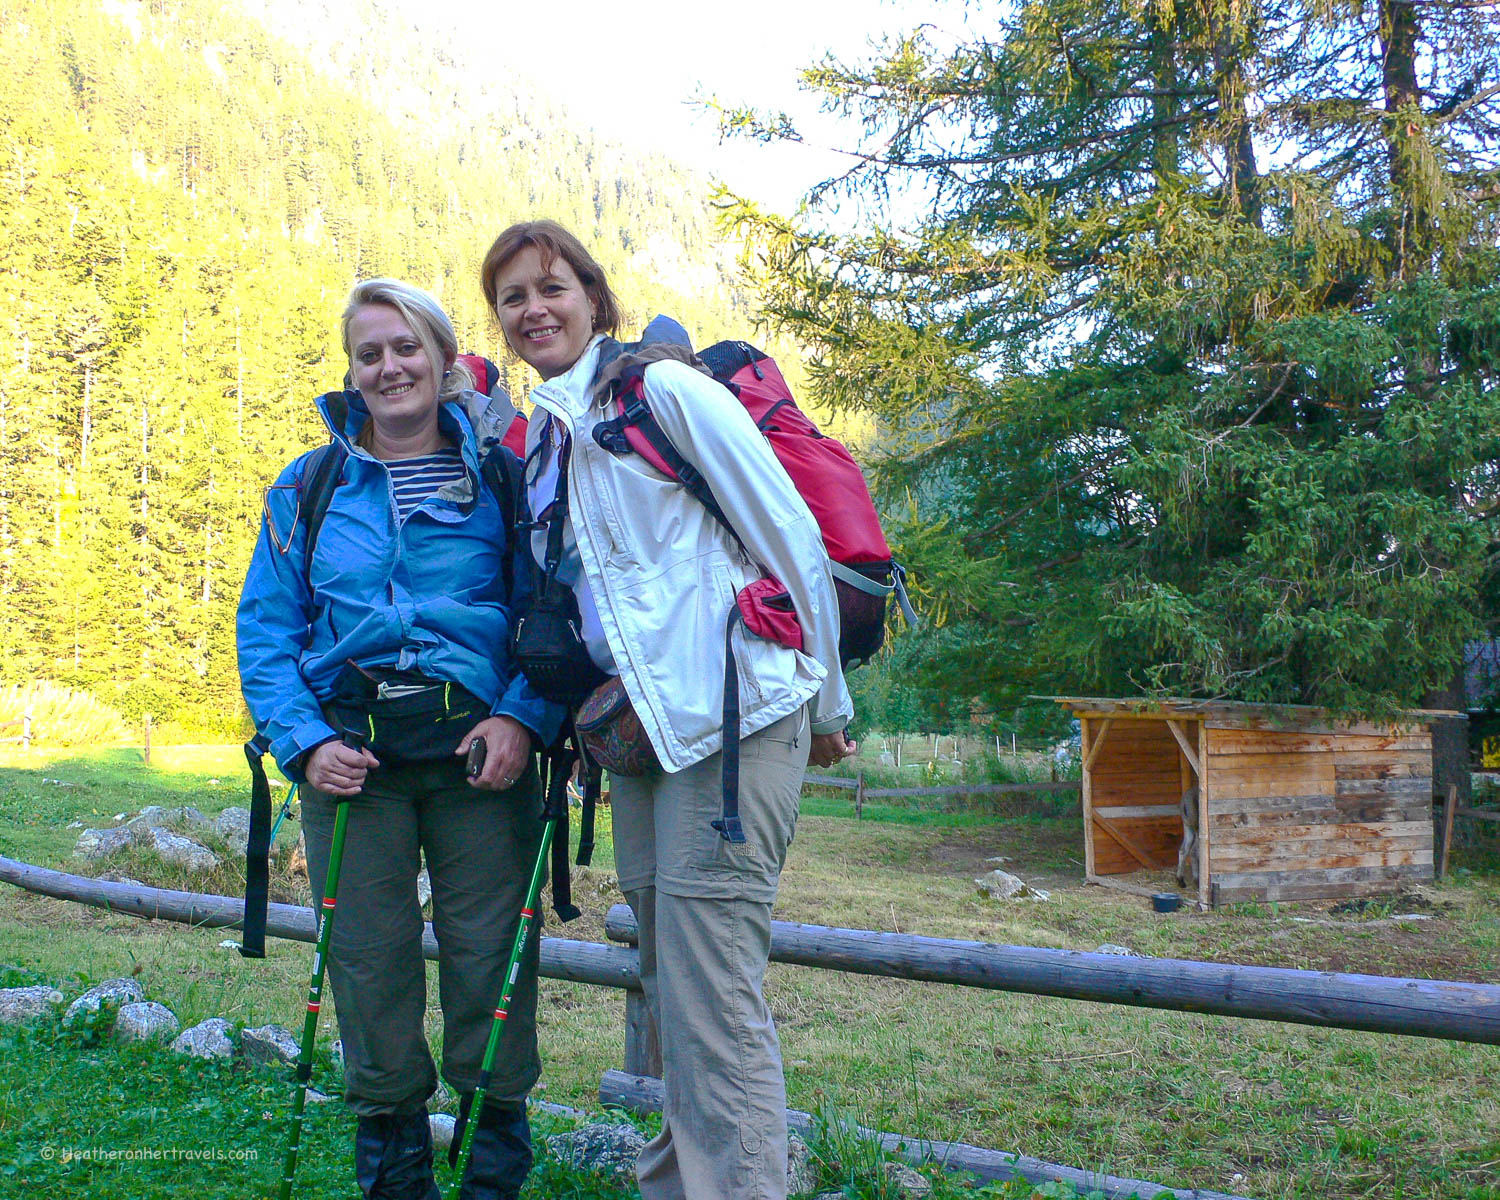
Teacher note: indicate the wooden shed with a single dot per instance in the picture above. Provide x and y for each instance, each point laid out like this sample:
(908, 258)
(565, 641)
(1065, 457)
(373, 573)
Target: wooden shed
(1291, 804)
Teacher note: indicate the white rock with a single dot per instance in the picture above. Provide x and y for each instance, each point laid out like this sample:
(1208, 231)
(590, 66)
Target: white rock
(111, 991)
(207, 1039)
(74, 825)
(801, 1176)
(316, 1097)
(145, 1020)
(269, 1045)
(27, 1003)
(907, 1180)
(1001, 885)
(155, 815)
(101, 843)
(1115, 948)
(178, 850)
(233, 825)
(603, 1147)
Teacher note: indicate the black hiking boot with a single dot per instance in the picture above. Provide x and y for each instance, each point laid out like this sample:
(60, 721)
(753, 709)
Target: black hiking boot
(501, 1155)
(393, 1157)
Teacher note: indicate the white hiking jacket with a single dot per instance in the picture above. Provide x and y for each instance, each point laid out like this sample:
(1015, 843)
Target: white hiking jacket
(664, 573)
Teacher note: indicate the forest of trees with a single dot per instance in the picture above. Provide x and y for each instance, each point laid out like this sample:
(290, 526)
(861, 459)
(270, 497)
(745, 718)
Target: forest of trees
(187, 201)
(1188, 360)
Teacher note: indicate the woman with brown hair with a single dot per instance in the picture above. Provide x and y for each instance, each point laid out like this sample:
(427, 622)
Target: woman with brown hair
(654, 574)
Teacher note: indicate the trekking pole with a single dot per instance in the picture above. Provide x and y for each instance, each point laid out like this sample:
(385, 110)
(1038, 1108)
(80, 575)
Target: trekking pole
(470, 1117)
(286, 811)
(355, 741)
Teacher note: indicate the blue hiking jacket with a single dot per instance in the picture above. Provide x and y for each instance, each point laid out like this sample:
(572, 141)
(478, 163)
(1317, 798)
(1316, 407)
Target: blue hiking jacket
(424, 594)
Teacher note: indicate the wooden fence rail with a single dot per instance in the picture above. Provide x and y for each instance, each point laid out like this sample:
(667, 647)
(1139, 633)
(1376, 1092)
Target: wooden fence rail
(579, 962)
(1421, 1007)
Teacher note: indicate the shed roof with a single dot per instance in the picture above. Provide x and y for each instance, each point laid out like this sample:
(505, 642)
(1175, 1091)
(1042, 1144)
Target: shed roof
(1168, 707)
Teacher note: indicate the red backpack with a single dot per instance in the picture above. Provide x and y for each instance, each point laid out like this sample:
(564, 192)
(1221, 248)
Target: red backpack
(821, 468)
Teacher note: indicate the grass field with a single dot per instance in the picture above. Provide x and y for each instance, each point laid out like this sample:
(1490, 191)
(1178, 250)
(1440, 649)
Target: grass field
(1259, 1109)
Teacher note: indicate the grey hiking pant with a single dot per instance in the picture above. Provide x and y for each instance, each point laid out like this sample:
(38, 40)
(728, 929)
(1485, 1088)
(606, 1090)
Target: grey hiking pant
(704, 911)
(480, 847)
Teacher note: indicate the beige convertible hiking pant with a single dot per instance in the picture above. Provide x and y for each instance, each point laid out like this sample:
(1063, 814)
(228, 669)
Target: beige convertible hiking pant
(480, 847)
(704, 910)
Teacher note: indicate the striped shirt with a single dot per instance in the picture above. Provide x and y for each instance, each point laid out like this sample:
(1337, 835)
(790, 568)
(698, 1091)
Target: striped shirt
(414, 480)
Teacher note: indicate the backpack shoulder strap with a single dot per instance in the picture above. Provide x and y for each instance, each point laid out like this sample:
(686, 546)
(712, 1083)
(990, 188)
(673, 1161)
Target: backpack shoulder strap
(321, 473)
(502, 473)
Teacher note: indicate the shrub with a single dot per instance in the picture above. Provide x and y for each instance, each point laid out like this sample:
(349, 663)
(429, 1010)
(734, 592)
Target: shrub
(59, 716)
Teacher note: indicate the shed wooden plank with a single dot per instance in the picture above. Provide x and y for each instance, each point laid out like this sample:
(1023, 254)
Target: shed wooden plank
(1308, 761)
(1259, 741)
(1156, 840)
(1313, 891)
(1348, 810)
(1406, 786)
(1217, 722)
(1118, 812)
(1157, 793)
(1376, 874)
(1260, 859)
(1381, 771)
(1421, 760)
(1086, 794)
(1352, 832)
(1097, 745)
(1321, 802)
(1189, 752)
(1253, 785)
(1125, 837)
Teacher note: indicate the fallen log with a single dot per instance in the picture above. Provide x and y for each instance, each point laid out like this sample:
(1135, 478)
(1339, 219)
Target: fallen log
(1465, 1012)
(643, 1094)
(580, 962)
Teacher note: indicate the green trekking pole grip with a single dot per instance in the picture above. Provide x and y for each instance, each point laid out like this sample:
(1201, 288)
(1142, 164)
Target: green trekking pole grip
(356, 741)
(528, 917)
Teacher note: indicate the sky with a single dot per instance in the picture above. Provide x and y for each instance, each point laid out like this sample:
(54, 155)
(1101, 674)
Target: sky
(629, 70)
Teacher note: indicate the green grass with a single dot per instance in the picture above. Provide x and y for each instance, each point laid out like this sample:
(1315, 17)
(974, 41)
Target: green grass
(1181, 1099)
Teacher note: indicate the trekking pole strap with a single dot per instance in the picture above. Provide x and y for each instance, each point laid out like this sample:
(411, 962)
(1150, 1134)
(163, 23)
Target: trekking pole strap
(555, 808)
(728, 825)
(257, 853)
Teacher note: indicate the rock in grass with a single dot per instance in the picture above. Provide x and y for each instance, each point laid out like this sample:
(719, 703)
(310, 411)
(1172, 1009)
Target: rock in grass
(907, 1181)
(27, 1003)
(1116, 949)
(269, 1045)
(233, 825)
(101, 843)
(606, 1149)
(207, 1039)
(442, 1126)
(145, 1021)
(111, 991)
(800, 1176)
(155, 815)
(1001, 885)
(178, 850)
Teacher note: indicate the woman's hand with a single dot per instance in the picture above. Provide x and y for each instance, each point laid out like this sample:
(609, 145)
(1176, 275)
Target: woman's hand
(829, 748)
(508, 746)
(338, 769)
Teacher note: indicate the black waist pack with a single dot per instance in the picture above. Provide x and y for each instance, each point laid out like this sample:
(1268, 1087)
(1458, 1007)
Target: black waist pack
(549, 648)
(407, 717)
(546, 643)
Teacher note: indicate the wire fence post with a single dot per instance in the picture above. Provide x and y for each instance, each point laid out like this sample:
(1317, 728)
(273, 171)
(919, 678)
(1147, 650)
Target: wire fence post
(26, 730)
(859, 797)
(146, 749)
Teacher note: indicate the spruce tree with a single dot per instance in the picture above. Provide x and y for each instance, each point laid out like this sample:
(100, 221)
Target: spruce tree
(1187, 358)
